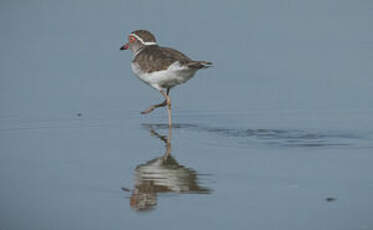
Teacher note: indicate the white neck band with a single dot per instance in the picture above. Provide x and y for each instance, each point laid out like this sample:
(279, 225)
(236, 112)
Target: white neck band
(142, 41)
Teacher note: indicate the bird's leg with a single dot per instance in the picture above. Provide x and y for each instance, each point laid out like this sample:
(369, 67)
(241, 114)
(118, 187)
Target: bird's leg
(168, 101)
(151, 108)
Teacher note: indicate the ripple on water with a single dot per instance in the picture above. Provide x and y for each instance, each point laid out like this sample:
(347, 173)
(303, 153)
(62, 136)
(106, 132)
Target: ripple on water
(279, 137)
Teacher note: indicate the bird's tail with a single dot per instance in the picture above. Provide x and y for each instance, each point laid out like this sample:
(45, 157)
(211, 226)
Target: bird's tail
(199, 64)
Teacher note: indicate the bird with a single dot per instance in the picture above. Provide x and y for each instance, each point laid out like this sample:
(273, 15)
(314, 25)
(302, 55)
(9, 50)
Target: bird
(160, 67)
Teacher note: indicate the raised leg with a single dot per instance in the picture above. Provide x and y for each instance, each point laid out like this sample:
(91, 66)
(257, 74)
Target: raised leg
(151, 108)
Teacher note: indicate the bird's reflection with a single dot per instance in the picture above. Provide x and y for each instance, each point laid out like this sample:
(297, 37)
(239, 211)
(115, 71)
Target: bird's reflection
(162, 175)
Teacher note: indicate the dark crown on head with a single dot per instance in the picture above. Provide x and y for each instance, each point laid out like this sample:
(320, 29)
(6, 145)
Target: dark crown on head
(145, 35)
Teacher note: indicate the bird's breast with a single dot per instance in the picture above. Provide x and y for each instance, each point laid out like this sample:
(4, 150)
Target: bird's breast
(175, 74)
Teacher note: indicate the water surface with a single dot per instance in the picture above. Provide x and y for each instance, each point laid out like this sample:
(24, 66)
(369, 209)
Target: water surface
(278, 135)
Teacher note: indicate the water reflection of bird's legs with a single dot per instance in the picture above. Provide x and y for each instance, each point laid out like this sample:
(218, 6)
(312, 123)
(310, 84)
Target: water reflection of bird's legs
(165, 139)
(168, 143)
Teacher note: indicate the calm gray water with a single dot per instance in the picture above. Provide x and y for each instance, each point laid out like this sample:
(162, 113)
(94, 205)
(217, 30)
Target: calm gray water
(278, 135)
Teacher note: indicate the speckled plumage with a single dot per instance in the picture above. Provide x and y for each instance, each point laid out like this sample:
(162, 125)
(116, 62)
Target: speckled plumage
(155, 58)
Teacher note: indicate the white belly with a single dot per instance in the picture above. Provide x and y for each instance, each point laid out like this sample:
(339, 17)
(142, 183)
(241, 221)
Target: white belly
(174, 75)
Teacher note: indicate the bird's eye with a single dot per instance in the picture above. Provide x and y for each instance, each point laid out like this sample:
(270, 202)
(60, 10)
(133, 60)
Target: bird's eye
(132, 39)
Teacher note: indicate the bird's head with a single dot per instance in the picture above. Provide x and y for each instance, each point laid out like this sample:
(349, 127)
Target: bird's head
(139, 39)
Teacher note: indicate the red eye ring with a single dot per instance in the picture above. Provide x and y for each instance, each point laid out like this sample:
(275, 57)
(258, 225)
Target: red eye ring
(131, 38)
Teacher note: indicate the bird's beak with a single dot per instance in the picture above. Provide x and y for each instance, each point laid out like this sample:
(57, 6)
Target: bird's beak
(124, 47)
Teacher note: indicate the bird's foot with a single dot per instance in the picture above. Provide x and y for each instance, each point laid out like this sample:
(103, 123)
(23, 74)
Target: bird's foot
(148, 110)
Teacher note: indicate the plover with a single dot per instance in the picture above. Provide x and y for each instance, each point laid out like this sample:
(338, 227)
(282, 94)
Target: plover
(160, 67)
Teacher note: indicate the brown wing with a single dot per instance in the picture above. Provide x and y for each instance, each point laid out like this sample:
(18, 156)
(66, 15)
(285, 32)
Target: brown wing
(155, 58)
(174, 54)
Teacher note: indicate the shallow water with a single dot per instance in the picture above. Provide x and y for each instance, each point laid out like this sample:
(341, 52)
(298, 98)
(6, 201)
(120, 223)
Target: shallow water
(93, 173)
(278, 135)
